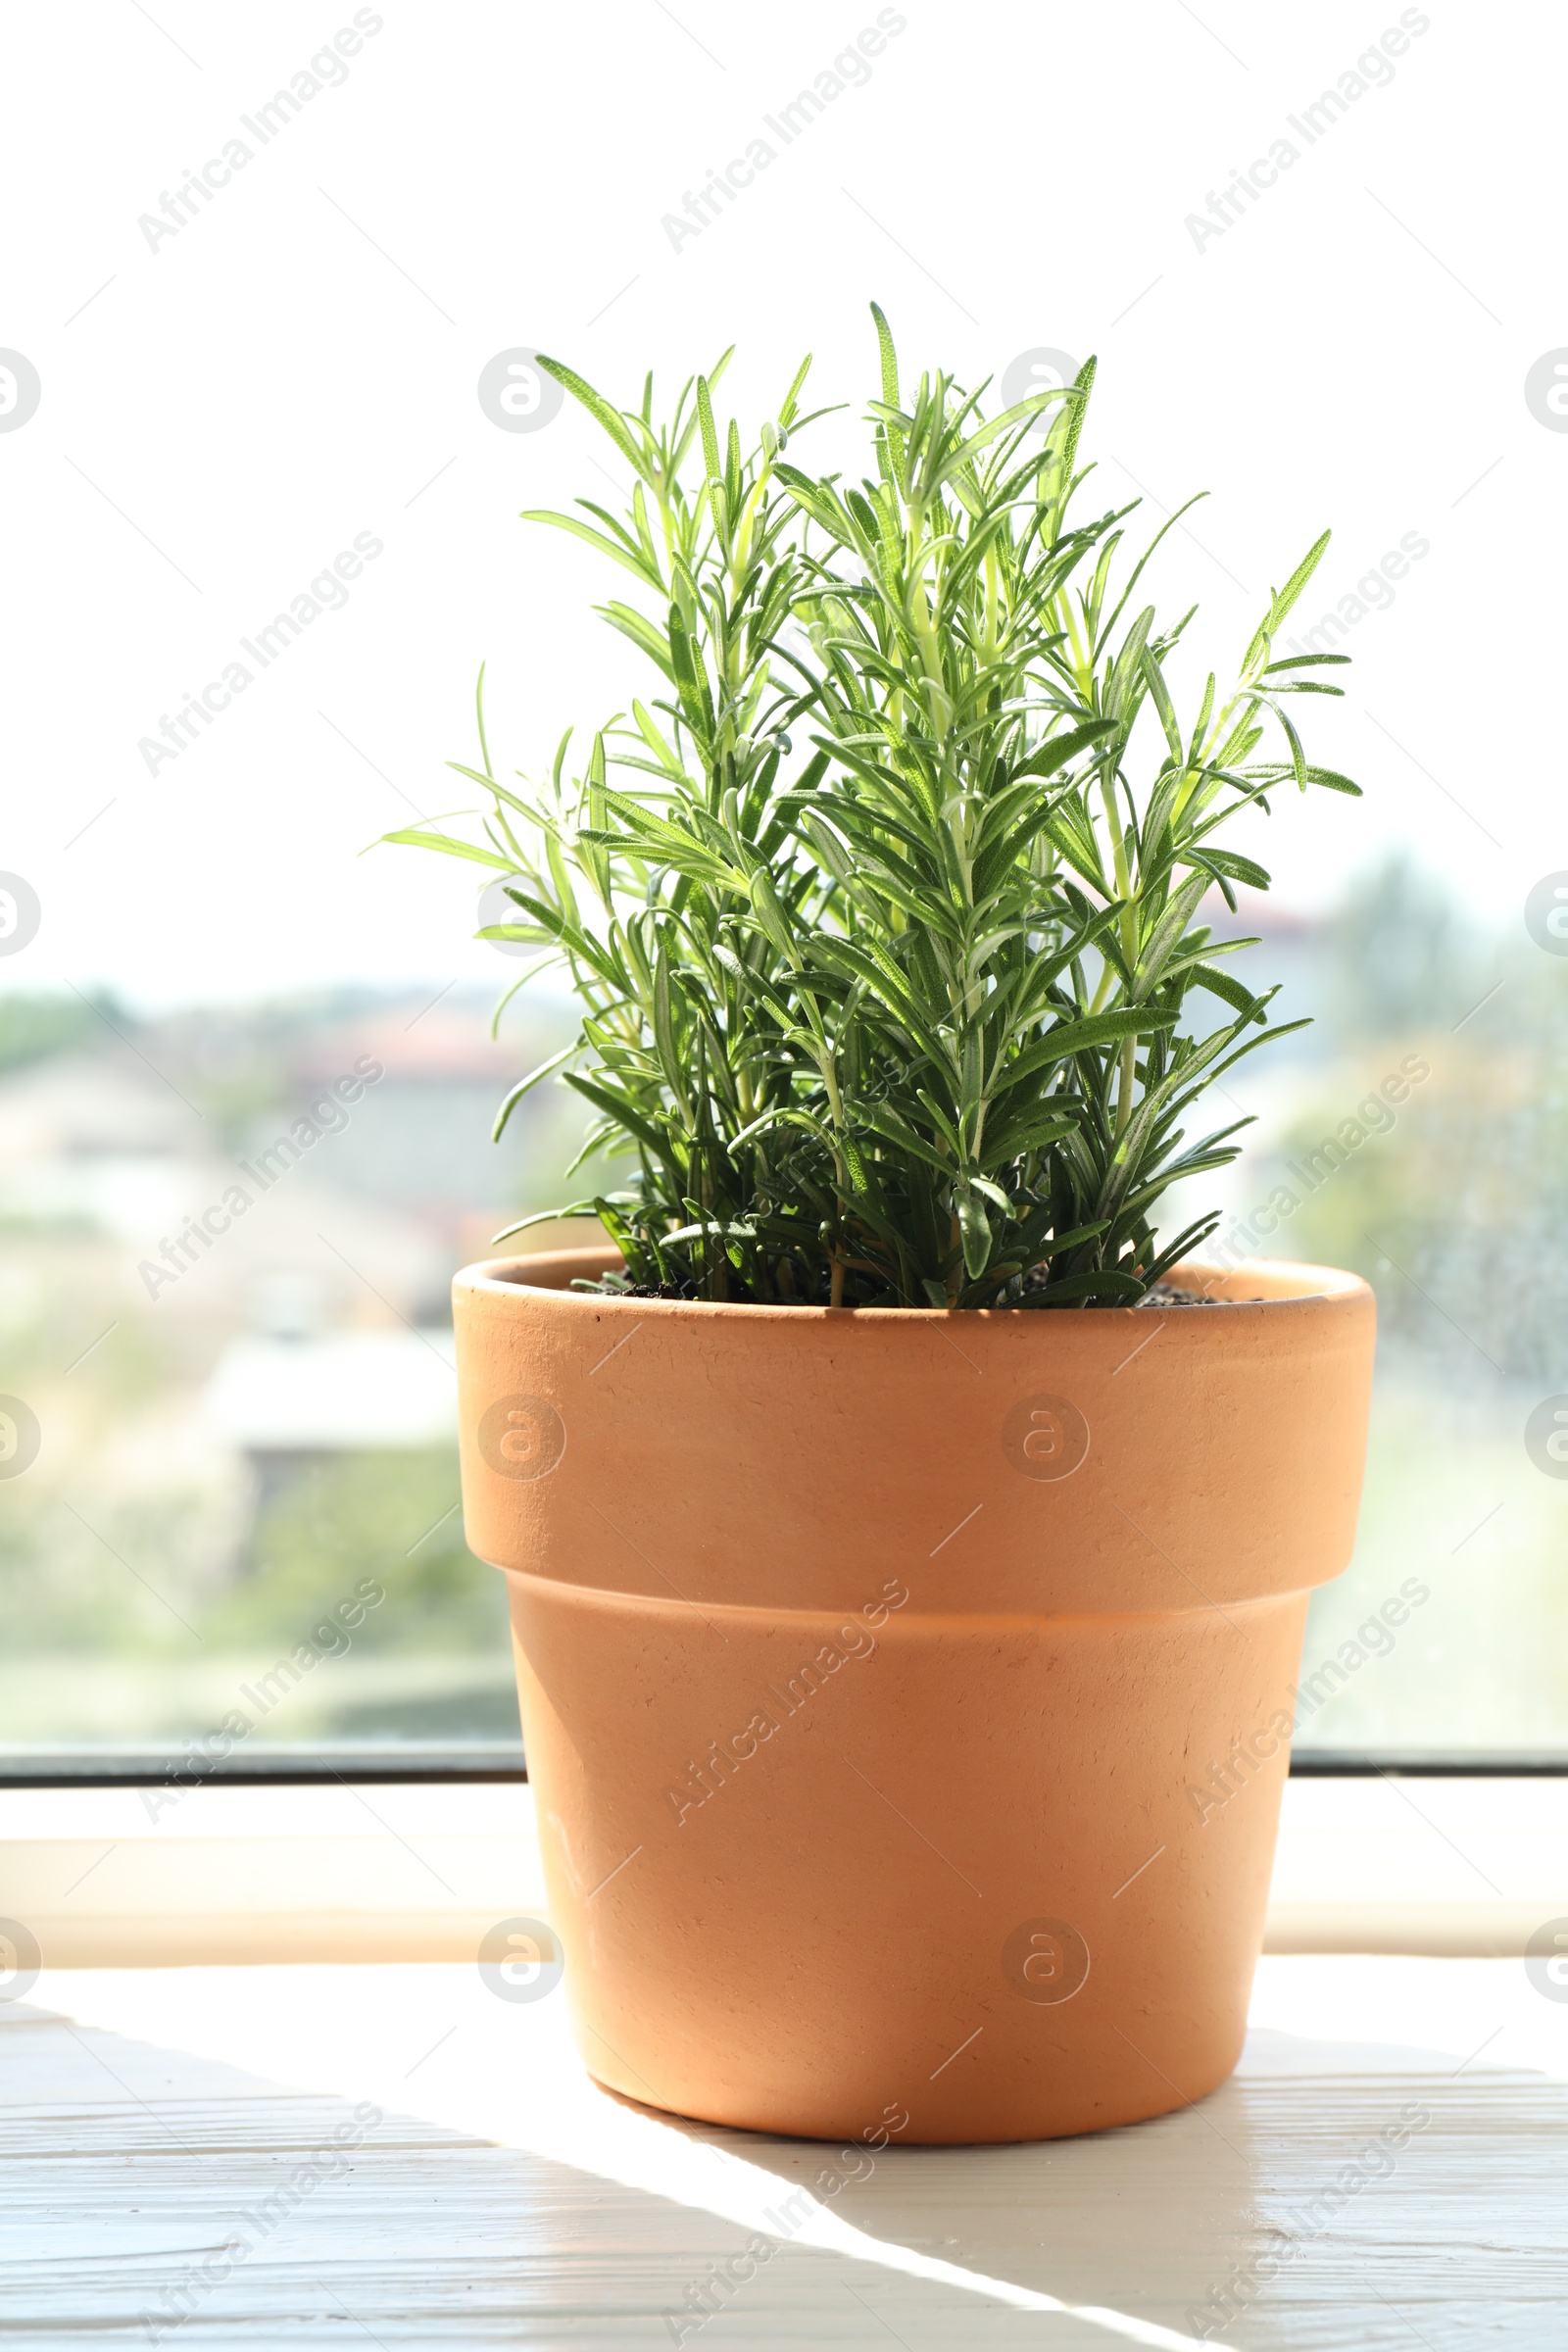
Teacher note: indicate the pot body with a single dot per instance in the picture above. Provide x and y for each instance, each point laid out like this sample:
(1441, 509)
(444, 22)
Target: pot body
(907, 1696)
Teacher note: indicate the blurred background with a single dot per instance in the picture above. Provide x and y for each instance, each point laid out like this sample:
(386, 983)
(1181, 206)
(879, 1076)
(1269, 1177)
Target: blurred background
(223, 372)
(248, 1426)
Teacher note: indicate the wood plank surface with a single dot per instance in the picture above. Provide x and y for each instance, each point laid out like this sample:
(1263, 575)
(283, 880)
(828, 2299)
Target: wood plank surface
(311, 2156)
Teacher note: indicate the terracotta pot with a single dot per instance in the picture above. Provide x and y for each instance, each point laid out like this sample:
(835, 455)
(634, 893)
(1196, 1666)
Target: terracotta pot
(906, 1695)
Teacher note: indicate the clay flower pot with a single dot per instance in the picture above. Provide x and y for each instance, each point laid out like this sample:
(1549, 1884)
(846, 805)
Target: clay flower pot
(907, 1695)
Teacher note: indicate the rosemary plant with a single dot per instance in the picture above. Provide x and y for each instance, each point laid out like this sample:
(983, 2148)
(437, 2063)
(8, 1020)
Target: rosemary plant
(885, 916)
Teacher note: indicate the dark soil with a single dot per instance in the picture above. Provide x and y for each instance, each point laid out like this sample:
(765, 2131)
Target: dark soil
(1171, 1294)
(1162, 1294)
(740, 1293)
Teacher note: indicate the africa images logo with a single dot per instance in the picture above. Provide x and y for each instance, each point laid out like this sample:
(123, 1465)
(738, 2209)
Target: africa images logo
(522, 1437)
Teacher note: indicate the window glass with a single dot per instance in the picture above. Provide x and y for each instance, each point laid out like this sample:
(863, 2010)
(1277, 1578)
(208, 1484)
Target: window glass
(1418, 1134)
(269, 418)
(229, 1235)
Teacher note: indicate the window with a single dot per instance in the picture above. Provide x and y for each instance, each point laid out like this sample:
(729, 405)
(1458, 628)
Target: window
(230, 1229)
(1418, 1133)
(261, 487)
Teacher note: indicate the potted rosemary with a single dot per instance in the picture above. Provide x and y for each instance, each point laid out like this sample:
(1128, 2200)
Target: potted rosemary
(902, 1529)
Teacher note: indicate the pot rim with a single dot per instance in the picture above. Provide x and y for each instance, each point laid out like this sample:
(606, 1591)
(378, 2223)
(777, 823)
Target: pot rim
(1295, 1285)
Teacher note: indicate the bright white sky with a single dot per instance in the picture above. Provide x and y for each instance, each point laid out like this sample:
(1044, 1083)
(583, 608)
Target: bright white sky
(299, 365)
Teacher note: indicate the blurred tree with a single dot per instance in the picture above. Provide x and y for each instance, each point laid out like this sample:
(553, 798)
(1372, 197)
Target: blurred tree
(1455, 1213)
(393, 1517)
(33, 1026)
(1400, 953)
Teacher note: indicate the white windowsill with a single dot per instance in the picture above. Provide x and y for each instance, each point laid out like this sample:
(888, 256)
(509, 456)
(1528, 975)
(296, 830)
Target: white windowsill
(419, 1872)
(494, 2195)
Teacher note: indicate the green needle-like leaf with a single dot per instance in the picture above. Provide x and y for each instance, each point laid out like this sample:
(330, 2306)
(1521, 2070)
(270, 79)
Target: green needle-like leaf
(897, 958)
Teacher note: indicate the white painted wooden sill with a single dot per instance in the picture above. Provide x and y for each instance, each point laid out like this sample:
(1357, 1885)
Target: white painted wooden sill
(421, 1871)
